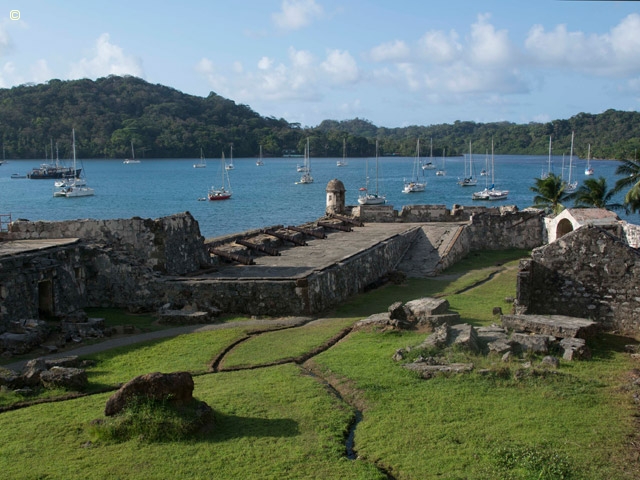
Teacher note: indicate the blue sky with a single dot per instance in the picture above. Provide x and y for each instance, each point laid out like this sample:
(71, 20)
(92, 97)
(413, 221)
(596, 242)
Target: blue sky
(395, 63)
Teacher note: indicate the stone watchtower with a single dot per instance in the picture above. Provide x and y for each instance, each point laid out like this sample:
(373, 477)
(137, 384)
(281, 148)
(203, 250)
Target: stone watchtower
(335, 197)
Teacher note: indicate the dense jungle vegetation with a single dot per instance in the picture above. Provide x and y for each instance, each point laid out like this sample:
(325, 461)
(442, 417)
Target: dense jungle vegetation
(111, 113)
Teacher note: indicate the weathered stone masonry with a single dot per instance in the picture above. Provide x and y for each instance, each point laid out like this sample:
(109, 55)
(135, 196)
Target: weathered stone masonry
(587, 273)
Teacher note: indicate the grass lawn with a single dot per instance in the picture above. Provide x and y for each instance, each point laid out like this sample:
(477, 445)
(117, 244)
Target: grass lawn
(285, 421)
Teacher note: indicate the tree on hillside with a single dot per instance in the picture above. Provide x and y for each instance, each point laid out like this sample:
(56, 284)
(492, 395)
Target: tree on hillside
(550, 193)
(630, 171)
(593, 193)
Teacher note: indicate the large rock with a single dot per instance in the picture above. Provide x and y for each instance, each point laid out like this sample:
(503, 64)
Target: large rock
(176, 388)
(465, 336)
(424, 307)
(555, 325)
(574, 349)
(532, 342)
(63, 377)
(32, 371)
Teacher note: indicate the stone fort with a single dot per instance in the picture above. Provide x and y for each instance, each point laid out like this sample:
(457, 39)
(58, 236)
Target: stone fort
(53, 270)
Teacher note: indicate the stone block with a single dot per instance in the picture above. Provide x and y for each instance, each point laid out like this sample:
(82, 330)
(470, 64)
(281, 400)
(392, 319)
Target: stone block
(423, 307)
(64, 377)
(555, 325)
(574, 349)
(465, 336)
(531, 342)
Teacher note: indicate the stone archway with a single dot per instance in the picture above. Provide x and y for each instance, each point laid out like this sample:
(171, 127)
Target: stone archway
(564, 226)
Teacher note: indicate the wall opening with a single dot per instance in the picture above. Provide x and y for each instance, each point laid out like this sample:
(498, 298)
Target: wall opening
(45, 299)
(564, 226)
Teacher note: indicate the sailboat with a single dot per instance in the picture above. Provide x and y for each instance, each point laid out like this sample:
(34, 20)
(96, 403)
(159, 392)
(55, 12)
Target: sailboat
(223, 192)
(442, 172)
(367, 198)
(133, 156)
(545, 175)
(306, 176)
(468, 181)
(343, 162)
(259, 162)
(229, 166)
(570, 186)
(491, 193)
(589, 169)
(75, 188)
(79, 180)
(202, 163)
(413, 185)
(429, 165)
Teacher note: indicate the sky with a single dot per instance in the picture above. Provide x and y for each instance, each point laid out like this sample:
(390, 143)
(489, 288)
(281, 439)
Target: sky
(393, 63)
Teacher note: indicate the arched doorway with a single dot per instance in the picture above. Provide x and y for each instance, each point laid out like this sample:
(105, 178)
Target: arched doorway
(564, 227)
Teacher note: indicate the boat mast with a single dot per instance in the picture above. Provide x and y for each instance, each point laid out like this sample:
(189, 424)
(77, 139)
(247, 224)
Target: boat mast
(376, 167)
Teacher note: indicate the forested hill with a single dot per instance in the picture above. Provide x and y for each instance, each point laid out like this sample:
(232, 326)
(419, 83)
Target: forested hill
(110, 113)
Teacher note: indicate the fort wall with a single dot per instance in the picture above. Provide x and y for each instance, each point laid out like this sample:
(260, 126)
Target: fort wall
(586, 273)
(171, 245)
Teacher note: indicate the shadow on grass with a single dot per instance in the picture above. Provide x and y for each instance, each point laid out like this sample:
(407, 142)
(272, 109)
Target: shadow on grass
(604, 345)
(227, 427)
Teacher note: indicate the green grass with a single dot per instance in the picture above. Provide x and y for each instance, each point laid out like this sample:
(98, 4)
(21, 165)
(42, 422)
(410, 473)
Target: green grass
(289, 343)
(283, 422)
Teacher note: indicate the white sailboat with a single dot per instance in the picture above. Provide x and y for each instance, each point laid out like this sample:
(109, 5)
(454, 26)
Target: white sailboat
(470, 180)
(570, 186)
(202, 163)
(548, 172)
(367, 198)
(223, 192)
(588, 170)
(414, 185)
(260, 162)
(306, 175)
(133, 156)
(442, 172)
(429, 165)
(343, 162)
(229, 166)
(76, 188)
(491, 193)
(79, 180)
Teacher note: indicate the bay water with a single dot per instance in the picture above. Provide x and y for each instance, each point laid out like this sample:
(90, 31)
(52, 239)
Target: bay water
(269, 195)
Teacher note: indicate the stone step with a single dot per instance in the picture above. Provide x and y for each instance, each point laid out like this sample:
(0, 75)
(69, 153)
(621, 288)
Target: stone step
(430, 245)
(560, 326)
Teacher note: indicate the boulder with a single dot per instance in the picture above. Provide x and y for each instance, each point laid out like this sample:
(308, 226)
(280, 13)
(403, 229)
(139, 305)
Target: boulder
(176, 388)
(64, 377)
(438, 339)
(465, 336)
(531, 342)
(560, 326)
(32, 370)
(398, 312)
(574, 349)
(425, 307)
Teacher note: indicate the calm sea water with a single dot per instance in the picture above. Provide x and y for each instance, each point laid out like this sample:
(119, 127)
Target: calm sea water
(264, 195)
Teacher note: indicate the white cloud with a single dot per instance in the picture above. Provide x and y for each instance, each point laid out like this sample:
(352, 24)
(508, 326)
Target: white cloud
(438, 47)
(488, 46)
(6, 44)
(616, 53)
(265, 63)
(206, 68)
(392, 51)
(296, 14)
(106, 59)
(40, 71)
(341, 67)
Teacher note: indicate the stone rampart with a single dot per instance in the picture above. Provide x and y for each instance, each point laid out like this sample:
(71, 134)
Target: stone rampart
(587, 273)
(42, 284)
(317, 292)
(171, 245)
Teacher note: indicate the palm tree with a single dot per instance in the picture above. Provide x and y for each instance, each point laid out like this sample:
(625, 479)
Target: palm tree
(630, 171)
(550, 193)
(593, 193)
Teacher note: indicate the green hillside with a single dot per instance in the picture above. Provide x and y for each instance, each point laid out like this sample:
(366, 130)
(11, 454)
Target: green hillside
(110, 113)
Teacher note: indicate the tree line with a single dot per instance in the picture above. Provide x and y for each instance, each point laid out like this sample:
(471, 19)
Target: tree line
(112, 113)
